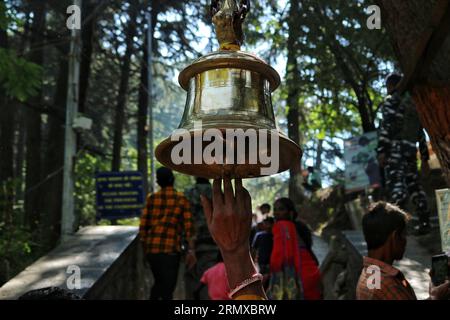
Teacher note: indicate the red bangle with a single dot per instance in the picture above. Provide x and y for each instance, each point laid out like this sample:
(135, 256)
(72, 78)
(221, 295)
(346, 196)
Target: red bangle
(245, 283)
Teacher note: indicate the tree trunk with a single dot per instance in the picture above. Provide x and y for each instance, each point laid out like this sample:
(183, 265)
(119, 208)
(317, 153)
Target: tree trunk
(420, 35)
(19, 125)
(142, 131)
(6, 145)
(54, 160)
(20, 152)
(33, 124)
(7, 153)
(318, 164)
(293, 89)
(437, 120)
(367, 121)
(123, 88)
(342, 57)
(87, 38)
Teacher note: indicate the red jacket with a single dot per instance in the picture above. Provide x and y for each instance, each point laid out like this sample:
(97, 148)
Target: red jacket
(287, 251)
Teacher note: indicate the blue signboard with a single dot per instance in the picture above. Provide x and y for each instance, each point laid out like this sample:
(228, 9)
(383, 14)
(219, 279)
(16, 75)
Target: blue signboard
(119, 194)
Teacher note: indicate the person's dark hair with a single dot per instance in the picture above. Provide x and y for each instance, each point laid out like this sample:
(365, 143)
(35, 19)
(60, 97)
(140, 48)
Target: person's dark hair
(200, 180)
(49, 293)
(265, 206)
(303, 230)
(269, 220)
(363, 141)
(310, 169)
(164, 177)
(380, 221)
(289, 205)
(393, 79)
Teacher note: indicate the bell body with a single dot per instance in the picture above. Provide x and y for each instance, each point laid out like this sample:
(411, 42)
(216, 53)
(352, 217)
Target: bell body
(228, 127)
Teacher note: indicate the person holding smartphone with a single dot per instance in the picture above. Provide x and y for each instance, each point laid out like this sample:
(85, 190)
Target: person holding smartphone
(384, 228)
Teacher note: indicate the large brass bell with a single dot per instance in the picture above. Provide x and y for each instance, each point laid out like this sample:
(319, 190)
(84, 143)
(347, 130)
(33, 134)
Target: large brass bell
(228, 127)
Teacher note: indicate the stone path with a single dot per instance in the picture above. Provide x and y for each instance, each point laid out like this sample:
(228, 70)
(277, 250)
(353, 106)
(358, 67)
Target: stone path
(179, 293)
(320, 248)
(415, 266)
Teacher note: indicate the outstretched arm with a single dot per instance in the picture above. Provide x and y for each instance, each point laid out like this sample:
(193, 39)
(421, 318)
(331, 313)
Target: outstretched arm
(229, 219)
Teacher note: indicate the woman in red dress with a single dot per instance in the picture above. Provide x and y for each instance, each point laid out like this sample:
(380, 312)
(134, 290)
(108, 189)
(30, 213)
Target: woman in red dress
(294, 268)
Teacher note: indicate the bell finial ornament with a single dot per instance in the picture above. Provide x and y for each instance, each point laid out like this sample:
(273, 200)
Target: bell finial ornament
(228, 17)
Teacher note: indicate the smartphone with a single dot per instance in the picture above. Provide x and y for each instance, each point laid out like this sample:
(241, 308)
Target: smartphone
(439, 266)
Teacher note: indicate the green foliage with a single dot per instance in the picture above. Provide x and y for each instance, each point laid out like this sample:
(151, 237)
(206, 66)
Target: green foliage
(86, 167)
(4, 18)
(340, 67)
(183, 182)
(267, 189)
(328, 102)
(17, 249)
(128, 222)
(18, 77)
(15, 243)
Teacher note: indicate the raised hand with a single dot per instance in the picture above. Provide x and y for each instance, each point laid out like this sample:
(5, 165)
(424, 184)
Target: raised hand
(229, 215)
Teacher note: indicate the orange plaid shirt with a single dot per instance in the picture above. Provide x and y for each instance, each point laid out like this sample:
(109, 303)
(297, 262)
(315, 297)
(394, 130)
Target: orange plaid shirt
(166, 215)
(393, 285)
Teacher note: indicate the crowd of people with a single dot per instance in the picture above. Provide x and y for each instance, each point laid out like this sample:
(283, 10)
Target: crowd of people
(283, 253)
(230, 255)
(174, 223)
(275, 261)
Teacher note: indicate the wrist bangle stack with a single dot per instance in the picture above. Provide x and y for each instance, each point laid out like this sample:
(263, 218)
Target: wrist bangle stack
(245, 283)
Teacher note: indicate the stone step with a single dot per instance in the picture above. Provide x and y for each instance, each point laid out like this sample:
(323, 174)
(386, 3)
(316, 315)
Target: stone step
(320, 248)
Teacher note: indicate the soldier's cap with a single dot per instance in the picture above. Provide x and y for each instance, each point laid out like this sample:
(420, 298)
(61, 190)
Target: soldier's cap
(394, 77)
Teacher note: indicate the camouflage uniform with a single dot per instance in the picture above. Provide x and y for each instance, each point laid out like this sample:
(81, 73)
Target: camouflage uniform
(206, 250)
(399, 132)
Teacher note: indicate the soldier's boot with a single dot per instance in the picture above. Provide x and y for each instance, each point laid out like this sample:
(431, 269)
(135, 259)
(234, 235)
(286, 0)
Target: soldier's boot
(422, 212)
(422, 228)
(424, 223)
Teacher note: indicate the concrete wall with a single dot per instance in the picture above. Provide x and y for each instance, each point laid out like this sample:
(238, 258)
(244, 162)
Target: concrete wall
(110, 261)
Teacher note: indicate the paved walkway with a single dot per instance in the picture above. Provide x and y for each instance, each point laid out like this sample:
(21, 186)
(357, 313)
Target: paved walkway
(179, 293)
(320, 248)
(416, 266)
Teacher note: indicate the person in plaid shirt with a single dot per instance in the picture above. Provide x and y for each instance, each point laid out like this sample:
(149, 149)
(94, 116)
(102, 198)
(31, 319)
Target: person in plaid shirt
(166, 216)
(384, 228)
